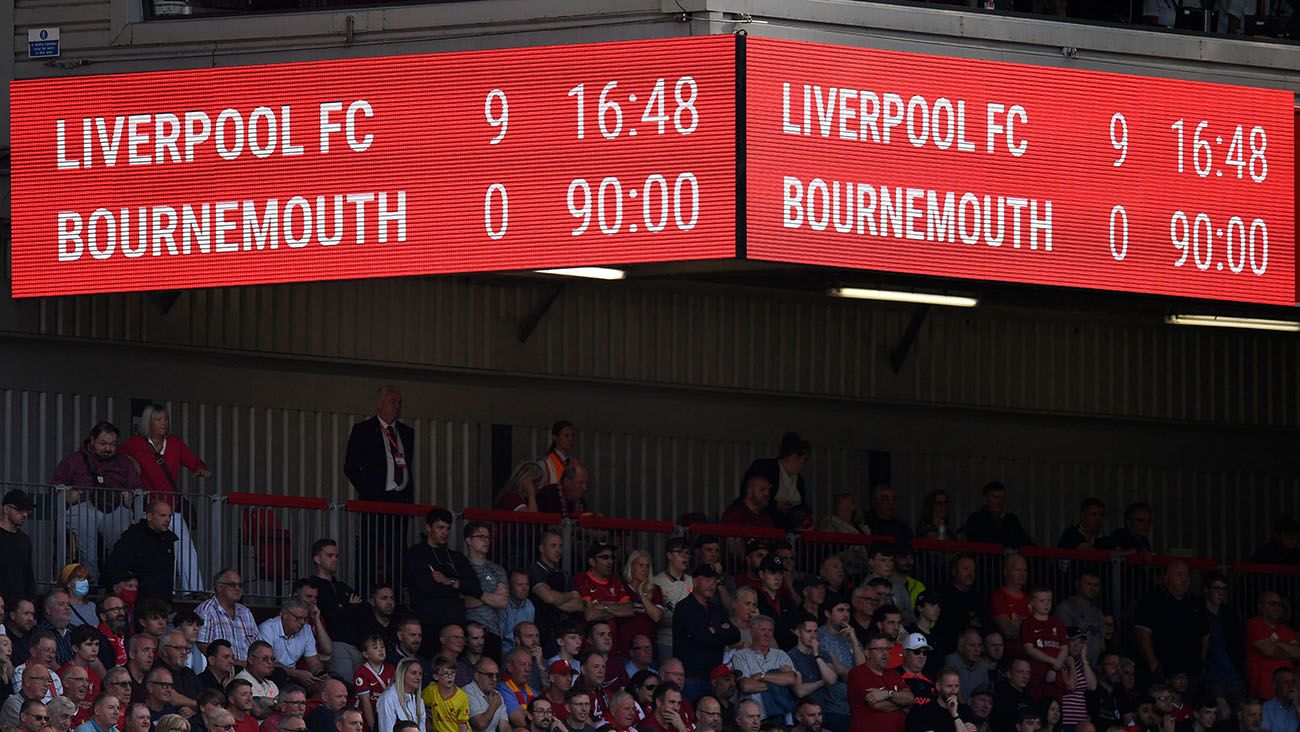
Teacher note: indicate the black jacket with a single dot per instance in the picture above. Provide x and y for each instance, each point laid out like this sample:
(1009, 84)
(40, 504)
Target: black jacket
(366, 464)
(17, 578)
(150, 554)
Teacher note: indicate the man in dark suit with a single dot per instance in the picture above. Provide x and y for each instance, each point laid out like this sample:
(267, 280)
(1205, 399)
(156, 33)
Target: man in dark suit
(379, 465)
(788, 507)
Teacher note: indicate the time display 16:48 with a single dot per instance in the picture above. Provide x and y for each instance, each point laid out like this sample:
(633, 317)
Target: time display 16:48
(1203, 152)
(609, 109)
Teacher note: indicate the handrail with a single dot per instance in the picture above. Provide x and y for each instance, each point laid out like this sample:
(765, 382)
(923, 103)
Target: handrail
(511, 517)
(966, 547)
(592, 521)
(263, 500)
(1164, 560)
(837, 537)
(1262, 568)
(392, 509)
(737, 530)
(1079, 555)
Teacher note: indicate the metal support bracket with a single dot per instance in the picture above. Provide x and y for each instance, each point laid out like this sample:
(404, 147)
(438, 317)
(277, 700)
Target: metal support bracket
(534, 317)
(898, 354)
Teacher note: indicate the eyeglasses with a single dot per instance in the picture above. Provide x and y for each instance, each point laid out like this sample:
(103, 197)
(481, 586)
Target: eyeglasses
(299, 618)
(232, 584)
(182, 649)
(222, 726)
(650, 687)
(489, 674)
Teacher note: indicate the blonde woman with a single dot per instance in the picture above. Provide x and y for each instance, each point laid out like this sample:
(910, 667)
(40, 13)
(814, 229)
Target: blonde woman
(647, 602)
(401, 701)
(172, 723)
(520, 492)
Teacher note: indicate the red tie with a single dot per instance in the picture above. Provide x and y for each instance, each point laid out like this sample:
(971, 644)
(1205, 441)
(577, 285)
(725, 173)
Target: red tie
(399, 472)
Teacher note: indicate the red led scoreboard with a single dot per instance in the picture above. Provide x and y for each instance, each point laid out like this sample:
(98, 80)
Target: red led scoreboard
(627, 152)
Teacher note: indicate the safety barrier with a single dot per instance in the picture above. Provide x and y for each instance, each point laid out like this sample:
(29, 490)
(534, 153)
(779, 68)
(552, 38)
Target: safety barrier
(268, 538)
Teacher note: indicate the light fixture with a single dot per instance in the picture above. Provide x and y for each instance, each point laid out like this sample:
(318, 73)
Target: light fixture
(592, 273)
(1224, 321)
(923, 298)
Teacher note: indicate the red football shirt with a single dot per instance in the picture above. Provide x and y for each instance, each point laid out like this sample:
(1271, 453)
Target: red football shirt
(866, 719)
(1003, 603)
(611, 591)
(1047, 636)
(370, 685)
(1259, 670)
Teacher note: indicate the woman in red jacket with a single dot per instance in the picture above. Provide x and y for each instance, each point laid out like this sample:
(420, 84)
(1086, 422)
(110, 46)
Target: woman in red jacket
(160, 456)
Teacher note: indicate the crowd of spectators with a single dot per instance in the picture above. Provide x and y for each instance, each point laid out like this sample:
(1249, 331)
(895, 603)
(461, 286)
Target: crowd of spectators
(713, 634)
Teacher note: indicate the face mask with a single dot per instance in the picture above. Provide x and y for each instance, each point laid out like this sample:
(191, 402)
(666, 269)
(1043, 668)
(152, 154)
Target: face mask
(81, 588)
(128, 596)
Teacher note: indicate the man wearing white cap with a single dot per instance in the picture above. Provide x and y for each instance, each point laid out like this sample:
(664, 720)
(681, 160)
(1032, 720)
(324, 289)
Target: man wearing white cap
(916, 649)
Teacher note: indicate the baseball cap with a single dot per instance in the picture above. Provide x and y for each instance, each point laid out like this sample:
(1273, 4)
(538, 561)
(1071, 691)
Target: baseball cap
(1075, 631)
(677, 543)
(804, 583)
(597, 547)
(916, 642)
(772, 563)
(705, 570)
(754, 545)
(929, 597)
(720, 671)
(68, 569)
(560, 667)
(982, 690)
(20, 499)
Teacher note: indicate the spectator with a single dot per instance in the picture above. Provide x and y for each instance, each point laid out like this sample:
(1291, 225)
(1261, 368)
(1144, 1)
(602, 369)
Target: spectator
(995, 654)
(845, 518)
(61, 710)
(221, 668)
(593, 680)
(307, 592)
(239, 700)
(883, 518)
(375, 616)
(641, 656)
(553, 596)
(487, 709)
(257, 672)
(642, 687)
(1170, 627)
(811, 592)
(446, 704)
(438, 578)
(915, 653)
(928, 611)
(519, 608)
(372, 677)
(118, 683)
(647, 601)
(174, 655)
(58, 617)
(788, 504)
(451, 643)
(219, 719)
(880, 563)
(722, 682)
(749, 716)
(867, 598)
(756, 551)
(622, 710)
(515, 689)
(112, 632)
(158, 694)
(95, 466)
(751, 508)
(674, 585)
(335, 602)
(665, 714)
(74, 579)
(177, 723)
(528, 640)
(832, 574)
(485, 609)
(904, 565)
(292, 643)
(333, 699)
(993, 524)
(188, 623)
(78, 690)
(942, 710)
(1225, 654)
(17, 577)
(1284, 548)
(1080, 610)
(402, 700)
(1044, 643)
(160, 456)
(520, 491)
(1079, 679)
(701, 631)
(1108, 702)
(820, 682)
(35, 687)
(566, 498)
(380, 465)
(962, 606)
(293, 705)
(1270, 644)
(710, 713)
(968, 661)
(559, 455)
(808, 717)
(601, 638)
(878, 697)
(410, 639)
(744, 608)
(1009, 605)
(934, 516)
(577, 709)
(773, 603)
(147, 549)
(1250, 716)
(1280, 713)
(224, 617)
(672, 671)
(767, 673)
(151, 617)
(842, 650)
(981, 708)
(1134, 536)
(605, 597)
(43, 650)
(107, 708)
(1012, 696)
(1084, 535)
(1205, 716)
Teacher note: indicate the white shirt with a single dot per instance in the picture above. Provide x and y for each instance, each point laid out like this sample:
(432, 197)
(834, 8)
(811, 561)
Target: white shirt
(750, 662)
(674, 591)
(265, 689)
(478, 704)
(56, 684)
(288, 650)
(389, 483)
(390, 711)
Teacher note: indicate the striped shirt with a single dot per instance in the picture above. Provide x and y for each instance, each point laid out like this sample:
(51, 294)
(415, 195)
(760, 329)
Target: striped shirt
(240, 630)
(1074, 705)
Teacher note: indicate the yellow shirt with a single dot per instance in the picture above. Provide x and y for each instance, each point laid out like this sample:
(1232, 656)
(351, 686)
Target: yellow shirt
(446, 715)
